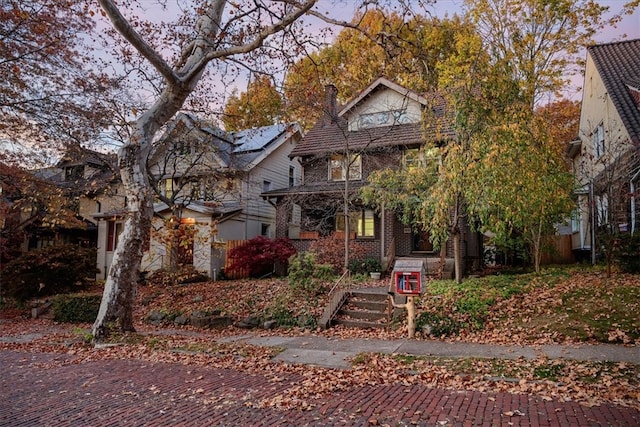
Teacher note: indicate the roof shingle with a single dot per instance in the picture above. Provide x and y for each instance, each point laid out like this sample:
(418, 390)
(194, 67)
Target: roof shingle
(619, 67)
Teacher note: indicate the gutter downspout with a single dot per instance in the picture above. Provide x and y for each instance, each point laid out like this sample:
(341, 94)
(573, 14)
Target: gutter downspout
(632, 189)
(593, 223)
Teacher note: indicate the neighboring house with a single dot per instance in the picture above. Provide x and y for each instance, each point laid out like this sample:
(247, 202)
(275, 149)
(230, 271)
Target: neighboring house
(56, 205)
(606, 155)
(382, 127)
(209, 185)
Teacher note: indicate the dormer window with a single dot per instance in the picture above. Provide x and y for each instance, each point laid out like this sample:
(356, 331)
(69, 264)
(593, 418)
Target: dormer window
(73, 173)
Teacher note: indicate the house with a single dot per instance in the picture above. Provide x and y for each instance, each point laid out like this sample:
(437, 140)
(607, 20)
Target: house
(208, 192)
(606, 155)
(381, 127)
(56, 204)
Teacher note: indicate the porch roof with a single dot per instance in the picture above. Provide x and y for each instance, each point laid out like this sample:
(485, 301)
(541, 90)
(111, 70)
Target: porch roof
(336, 187)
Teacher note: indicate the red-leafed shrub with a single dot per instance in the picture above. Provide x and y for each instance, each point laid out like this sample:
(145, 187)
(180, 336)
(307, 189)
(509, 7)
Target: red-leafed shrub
(259, 255)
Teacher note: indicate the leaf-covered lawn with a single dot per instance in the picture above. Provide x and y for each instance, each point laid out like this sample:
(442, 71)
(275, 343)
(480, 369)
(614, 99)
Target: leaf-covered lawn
(556, 306)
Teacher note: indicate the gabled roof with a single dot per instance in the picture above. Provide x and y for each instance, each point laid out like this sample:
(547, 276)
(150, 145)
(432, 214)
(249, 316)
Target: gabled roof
(241, 150)
(381, 83)
(328, 136)
(619, 67)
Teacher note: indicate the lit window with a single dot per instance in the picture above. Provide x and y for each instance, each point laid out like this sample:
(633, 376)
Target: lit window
(360, 222)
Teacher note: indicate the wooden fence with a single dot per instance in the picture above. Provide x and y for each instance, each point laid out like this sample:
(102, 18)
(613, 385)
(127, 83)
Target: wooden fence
(238, 273)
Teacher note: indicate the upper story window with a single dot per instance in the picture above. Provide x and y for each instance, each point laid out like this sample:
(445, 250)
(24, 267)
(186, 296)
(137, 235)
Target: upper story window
(292, 176)
(598, 141)
(266, 185)
(383, 118)
(420, 157)
(168, 187)
(73, 173)
(338, 166)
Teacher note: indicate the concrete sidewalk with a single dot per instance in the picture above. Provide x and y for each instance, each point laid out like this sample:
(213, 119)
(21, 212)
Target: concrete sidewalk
(335, 353)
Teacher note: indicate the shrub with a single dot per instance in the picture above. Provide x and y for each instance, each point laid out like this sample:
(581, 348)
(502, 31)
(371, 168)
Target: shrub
(629, 253)
(187, 274)
(330, 250)
(260, 254)
(438, 325)
(306, 275)
(365, 266)
(49, 271)
(76, 308)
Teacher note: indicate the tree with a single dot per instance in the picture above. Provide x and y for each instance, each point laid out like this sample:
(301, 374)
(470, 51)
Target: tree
(27, 200)
(260, 105)
(404, 47)
(213, 34)
(521, 182)
(51, 91)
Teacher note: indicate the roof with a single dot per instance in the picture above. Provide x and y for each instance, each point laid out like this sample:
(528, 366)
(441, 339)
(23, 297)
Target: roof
(330, 187)
(328, 136)
(381, 83)
(619, 67)
(242, 149)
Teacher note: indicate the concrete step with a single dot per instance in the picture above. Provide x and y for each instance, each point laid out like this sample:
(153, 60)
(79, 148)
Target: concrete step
(362, 314)
(363, 324)
(368, 305)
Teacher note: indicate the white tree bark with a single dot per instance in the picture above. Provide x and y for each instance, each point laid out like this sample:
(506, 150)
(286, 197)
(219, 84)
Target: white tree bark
(116, 307)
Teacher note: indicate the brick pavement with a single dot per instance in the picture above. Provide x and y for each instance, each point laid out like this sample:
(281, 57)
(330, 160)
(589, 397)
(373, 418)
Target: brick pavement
(37, 392)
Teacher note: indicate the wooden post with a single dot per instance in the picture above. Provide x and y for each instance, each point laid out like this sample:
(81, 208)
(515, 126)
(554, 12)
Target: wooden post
(410, 306)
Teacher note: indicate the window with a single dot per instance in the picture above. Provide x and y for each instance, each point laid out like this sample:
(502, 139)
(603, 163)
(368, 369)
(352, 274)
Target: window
(113, 234)
(361, 222)
(602, 209)
(266, 185)
(168, 187)
(338, 167)
(73, 173)
(265, 230)
(292, 176)
(420, 157)
(598, 141)
(383, 118)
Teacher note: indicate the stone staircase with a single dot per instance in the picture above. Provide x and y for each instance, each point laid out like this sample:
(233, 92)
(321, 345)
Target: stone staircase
(364, 308)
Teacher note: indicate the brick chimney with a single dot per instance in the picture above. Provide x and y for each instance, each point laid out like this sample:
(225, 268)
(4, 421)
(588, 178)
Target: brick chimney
(330, 106)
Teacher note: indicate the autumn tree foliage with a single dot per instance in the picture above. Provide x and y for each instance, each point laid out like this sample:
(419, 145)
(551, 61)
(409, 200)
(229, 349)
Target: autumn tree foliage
(27, 201)
(51, 91)
(403, 46)
(260, 105)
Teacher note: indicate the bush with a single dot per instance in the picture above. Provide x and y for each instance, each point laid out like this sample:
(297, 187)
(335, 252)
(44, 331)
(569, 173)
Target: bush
(438, 325)
(629, 253)
(49, 271)
(76, 308)
(329, 250)
(365, 266)
(306, 275)
(187, 274)
(259, 255)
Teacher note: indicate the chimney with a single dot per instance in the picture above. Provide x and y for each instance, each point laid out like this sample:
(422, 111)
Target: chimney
(330, 104)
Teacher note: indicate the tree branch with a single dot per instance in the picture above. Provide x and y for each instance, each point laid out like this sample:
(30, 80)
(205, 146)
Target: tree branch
(123, 26)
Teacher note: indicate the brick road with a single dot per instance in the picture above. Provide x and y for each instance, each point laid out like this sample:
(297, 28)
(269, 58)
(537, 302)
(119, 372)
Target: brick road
(37, 392)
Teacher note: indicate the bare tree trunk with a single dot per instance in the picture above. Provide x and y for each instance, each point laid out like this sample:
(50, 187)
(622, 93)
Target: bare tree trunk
(116, 308)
